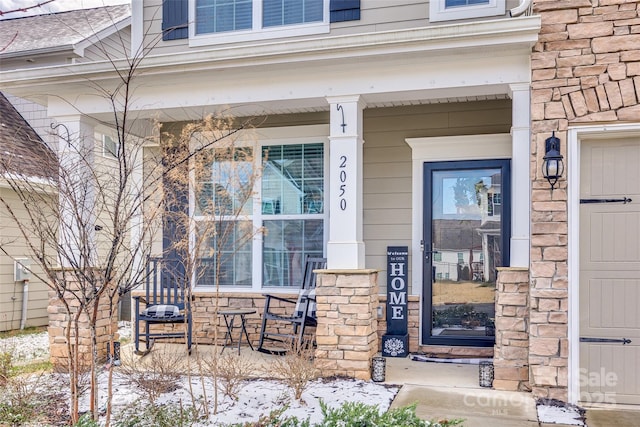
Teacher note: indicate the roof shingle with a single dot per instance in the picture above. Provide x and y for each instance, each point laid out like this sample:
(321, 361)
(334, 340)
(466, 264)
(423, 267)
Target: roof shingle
(56, 30)
(22, 151)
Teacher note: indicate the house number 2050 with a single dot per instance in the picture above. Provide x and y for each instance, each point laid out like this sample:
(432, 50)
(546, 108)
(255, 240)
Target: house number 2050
(343, 180)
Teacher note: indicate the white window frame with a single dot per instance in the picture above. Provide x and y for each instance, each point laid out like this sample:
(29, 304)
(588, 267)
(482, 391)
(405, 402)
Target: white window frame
(438, 12)
(107, 153)
(258, 32)
(257, 139)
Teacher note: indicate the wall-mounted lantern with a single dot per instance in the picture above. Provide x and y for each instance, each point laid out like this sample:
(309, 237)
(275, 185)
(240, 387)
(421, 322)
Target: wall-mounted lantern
(552, 165)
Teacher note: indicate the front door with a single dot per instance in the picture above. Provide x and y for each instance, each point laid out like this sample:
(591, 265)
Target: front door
(610, 271)
(466, 237)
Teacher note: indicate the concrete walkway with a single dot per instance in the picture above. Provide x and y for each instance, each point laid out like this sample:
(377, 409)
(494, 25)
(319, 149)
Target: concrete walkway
(477, 407)
(448, 390)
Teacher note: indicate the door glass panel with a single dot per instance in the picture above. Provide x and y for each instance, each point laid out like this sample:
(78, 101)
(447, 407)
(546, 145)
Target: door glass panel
(466, 207)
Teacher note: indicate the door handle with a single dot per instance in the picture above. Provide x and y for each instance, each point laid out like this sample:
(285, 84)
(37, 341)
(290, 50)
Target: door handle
(428, 253)
(624, 341)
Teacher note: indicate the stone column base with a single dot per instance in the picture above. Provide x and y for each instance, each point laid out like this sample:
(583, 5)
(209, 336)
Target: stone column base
(58, 322)
(511, 351)
(346, 335)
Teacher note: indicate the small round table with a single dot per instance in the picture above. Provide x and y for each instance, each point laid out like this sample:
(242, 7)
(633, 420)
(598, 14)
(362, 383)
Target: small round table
(229, 316)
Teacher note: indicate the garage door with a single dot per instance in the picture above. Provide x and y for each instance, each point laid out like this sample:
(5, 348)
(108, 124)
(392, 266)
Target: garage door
(610, 271)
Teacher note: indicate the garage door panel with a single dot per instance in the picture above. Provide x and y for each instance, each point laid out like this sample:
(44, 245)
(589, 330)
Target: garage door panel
(613, 168)
(610, 236)
(609, 373)
(610, 303)
(610, 271)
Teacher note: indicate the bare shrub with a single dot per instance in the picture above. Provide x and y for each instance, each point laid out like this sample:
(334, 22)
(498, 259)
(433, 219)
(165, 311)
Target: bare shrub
(157, 373)
(6, 366)
(31, 400)
(296, 368)
(231, 369)
(82, 377)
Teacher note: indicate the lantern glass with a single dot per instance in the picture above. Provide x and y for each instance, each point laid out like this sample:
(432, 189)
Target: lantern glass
(378, 367)
(552, 168)
(486, 374)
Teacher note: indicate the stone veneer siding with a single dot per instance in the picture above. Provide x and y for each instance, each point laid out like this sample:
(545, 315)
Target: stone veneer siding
(585, 69)
(58, 318)
(511, 356)
(346, 335)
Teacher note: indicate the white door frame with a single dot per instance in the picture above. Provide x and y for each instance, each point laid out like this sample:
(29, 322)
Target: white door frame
(575, 135)
(442, 149)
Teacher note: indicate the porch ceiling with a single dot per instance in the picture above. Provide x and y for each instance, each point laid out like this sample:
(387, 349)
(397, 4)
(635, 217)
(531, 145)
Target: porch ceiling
(320, 105)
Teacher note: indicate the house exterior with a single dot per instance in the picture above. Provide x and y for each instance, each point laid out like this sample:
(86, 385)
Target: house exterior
(33, 42)
(23, 296)
(418, 124)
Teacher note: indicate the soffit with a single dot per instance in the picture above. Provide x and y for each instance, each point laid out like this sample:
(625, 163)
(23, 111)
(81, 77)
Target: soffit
(332, 62)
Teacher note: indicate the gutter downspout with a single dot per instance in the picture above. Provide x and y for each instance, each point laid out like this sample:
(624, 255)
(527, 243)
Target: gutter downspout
(25, 300)
(525, 7)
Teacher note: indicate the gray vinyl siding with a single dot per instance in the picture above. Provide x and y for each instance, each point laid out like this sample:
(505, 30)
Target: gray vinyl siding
(375, 16)
(387, 162)
(10, 291)
(152, 13)
(388, 165)
(117, 45)
(385, 15)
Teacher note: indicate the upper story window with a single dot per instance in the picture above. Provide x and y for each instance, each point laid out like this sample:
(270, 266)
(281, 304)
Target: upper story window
(227, 21)
(109, 147)
(448, 10)
(224, 21)
(289, 12)
(216, 16)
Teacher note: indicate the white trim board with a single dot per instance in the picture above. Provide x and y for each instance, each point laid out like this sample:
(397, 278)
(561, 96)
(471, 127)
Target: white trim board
(440, 149)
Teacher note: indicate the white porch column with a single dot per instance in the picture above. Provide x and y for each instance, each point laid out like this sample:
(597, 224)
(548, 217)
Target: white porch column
(520, 179)
(77, 191)
(345, 249)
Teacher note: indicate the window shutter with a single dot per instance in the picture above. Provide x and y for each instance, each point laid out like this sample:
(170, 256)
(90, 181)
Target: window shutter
(175, 19)
(176, 209)
(344, 10)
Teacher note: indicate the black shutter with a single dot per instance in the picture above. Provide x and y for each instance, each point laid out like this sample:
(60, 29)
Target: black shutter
(175, 219)
(175, 19)
(344, 10)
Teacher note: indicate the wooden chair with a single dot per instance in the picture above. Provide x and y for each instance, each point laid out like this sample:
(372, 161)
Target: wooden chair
(288, 328)
(166, 301)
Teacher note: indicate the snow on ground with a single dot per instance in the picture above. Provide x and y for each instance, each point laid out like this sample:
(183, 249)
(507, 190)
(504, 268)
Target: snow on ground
(26, 348)
(556, 412)
(33, 347)
(256, 398)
